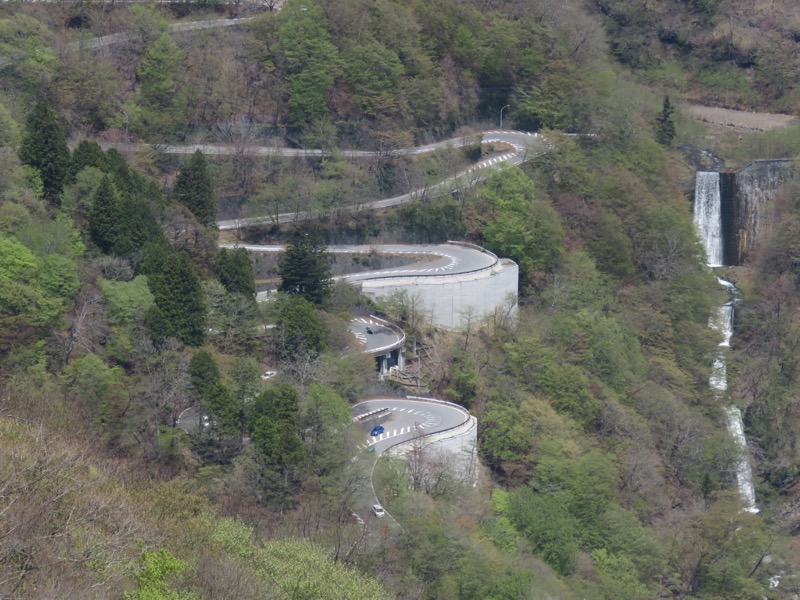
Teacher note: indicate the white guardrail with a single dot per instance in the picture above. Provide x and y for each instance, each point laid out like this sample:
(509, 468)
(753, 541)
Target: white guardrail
(401, 336)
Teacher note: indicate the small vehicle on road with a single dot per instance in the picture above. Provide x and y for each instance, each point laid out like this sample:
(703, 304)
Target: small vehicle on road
(369, 329)
(377, 430)
(378, 511)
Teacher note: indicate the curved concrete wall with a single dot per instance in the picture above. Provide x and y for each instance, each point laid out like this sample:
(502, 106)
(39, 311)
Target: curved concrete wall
(448, 299)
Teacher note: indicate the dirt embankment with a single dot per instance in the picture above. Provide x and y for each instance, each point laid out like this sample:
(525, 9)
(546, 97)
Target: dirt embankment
(739, 119)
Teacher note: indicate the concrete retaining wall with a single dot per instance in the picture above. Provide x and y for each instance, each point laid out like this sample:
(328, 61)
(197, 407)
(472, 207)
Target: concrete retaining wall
(449, 299)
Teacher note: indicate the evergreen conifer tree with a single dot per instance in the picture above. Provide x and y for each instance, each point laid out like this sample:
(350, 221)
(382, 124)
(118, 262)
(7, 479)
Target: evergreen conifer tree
(87, 154)
(299, 329)
(135, 226)
(665, 126)
(119, 225)
(204, 373)
(103, 216)
(44, 148)
(235, 272)
(305, 268)
(180, 307)
(194, 190)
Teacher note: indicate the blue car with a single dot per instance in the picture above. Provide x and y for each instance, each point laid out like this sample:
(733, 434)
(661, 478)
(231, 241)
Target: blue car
(377, 430)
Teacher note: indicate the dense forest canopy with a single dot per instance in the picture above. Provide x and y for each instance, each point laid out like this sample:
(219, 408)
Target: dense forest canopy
(606, 468)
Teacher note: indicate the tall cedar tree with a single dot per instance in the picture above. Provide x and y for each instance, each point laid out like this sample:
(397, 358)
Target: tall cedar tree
(212, 393)
(87, 154)
(235, 271)
(299, 329)
(274, 432)
(44, 148)
(194, 190)
(180, 307)
(665, 126)
(204, 373)
(305, 268)
(103, 217)
(119, 224)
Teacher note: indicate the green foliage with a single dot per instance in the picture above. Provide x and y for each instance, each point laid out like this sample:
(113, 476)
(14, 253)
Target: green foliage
(235, 271)
(33, 291)
(547, 525)
(722, 547)
(600, 345)
(273, 427)
(101, 389)
(504, 440)
(618, 576)
(280, 404)
(299, 328)
(324, 418)
(665, 125)
(431, 222)
(117, 223)
(87, 153)
(44, 147)
(45, 236)
(311, 60)
(160, 104)
(223, 405)
(102, 216)
(204, 372)
(193, 189)
(305, 268)
(26, 42)
(568, 389)
(465, 383)
(58, 277)
(152, 578)
(128, 301)
(9, 129)
(299, 570)
(179, 309)
(373, 71)
(520, 226)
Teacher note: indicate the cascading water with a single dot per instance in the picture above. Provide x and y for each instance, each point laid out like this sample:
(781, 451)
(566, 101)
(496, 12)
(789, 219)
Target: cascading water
(708, 215)
(744, 474)
(722, 321)
(708, 221)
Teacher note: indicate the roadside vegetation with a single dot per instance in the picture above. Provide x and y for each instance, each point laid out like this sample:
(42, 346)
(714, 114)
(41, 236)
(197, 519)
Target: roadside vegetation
(606, 469)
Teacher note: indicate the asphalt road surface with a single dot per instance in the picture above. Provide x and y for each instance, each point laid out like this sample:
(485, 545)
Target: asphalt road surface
(381, 336)
(406, 419)
(449, 259)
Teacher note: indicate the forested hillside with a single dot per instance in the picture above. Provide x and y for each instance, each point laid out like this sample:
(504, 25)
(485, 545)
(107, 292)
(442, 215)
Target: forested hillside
(606, 468)
(721, 52)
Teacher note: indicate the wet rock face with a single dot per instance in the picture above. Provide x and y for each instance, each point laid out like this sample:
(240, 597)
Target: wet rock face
(752, 191)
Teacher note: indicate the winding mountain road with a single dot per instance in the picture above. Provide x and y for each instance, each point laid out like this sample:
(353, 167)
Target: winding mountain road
(453, 258)
(404, 420)
(524, 146)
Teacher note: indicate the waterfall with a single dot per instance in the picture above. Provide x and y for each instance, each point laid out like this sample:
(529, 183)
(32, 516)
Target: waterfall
(722, 321)
(708, 221)
(708, 215)
(744, 474)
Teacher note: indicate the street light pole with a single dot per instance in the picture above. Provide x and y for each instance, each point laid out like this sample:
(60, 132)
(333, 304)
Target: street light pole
(501, 114)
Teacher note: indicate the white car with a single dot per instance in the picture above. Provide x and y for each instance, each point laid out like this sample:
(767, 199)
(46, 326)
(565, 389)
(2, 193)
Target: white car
(268, 374)
(378, 511)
